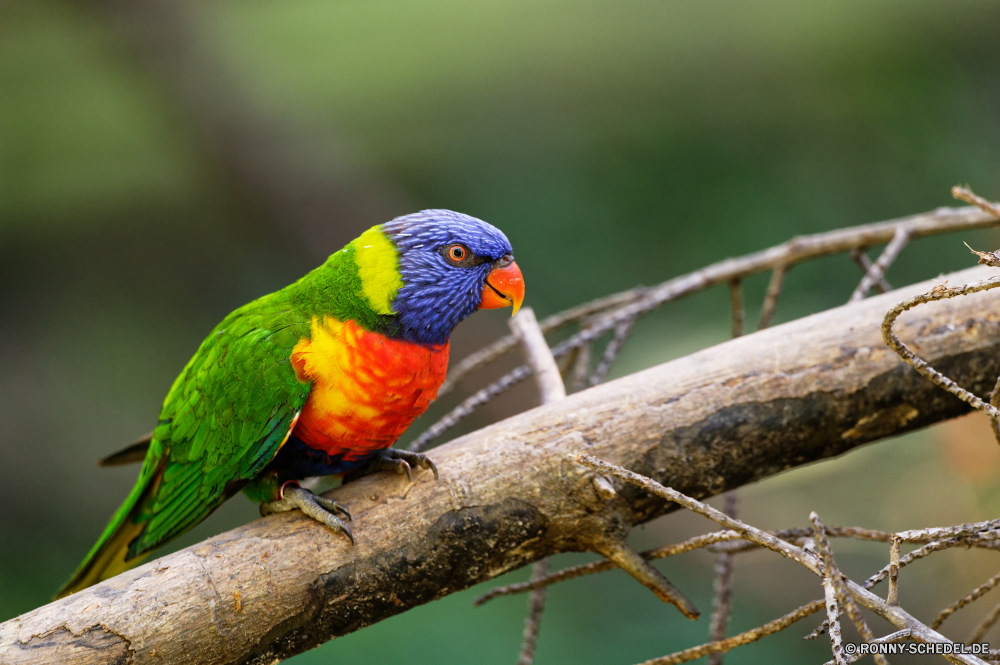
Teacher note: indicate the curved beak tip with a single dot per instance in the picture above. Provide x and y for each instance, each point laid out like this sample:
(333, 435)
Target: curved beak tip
(504, 287)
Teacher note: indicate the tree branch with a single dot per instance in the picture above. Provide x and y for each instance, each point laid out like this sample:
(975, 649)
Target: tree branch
(509, 495)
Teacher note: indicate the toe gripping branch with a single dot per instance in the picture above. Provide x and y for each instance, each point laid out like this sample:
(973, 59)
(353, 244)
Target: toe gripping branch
(321, 509)
(402, 462)
(612, 545)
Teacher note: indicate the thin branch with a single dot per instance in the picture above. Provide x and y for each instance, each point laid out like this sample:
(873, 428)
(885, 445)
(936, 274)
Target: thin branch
(488, 354)
(600, 566)
(723, 603)
(532, 622)
(540, 359)
(877, 270)
(970, 197)
(611, 351)
(987, 623)
(581, 368)
(833, 621)
(861, 258)
(843, 598)
(892, 597)
(747, 637)
(968, 598)
(736, 306)
(772, 295)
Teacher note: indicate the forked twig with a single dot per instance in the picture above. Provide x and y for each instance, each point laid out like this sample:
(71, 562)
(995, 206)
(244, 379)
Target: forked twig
(877, 269)
(893, 614)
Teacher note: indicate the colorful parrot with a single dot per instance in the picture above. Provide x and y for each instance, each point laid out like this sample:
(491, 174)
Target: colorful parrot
(319, 378)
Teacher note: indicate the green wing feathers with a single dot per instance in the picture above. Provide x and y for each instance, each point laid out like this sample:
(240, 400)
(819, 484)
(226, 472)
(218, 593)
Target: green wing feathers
(223, 420)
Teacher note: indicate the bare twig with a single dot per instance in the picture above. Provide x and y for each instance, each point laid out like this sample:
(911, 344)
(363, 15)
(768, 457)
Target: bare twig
(833, 621)
(749, 636)
(859, 257)
(722, 606)
(468, 405)
(970, 197)
(875, 272)
(892, 597)
(539, 357)
(772, 295)
(842, 597)
(893, 614)
(601, 566)
(536, 351)
(734, 544)
(488, 354)
(581, 368)
(970, 597)
(985, 625)
(532, 622)
(736, 306)
(611, 352)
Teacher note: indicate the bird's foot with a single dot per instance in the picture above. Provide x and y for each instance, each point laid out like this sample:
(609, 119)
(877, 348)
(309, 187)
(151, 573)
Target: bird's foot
(401, 461)
(317, 507)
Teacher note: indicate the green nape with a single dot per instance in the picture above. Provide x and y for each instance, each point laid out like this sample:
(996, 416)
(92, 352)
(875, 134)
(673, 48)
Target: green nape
(357, 282)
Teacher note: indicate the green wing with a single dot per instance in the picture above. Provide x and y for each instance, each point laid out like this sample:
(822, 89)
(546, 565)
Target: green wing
(224, 419)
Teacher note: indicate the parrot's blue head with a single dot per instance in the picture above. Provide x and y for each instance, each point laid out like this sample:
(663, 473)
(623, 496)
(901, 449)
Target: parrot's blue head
(449, 266)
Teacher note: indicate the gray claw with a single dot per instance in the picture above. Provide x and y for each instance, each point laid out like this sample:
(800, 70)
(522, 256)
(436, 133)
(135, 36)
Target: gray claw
(319, 508)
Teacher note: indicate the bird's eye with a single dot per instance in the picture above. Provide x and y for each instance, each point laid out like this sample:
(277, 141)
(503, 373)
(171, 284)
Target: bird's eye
(457, 253)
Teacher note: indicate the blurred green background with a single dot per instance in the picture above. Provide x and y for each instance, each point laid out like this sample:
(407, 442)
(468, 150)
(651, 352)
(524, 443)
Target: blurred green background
(163, 162)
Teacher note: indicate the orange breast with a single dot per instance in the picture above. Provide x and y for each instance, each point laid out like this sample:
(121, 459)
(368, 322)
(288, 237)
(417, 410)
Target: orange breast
(367, 388)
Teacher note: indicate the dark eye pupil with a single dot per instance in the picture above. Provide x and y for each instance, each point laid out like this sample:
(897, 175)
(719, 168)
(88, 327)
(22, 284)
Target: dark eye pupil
(457, 252)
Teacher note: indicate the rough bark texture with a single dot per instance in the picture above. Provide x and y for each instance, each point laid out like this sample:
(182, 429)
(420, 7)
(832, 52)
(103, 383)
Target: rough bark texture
(508, 495)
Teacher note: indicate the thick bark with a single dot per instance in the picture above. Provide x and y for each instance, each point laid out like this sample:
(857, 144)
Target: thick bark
(509, 495)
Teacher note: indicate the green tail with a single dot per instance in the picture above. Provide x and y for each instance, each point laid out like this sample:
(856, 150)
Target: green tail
(109, 556)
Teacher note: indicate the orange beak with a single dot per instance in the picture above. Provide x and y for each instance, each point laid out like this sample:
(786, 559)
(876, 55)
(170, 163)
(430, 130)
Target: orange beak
(504, 287)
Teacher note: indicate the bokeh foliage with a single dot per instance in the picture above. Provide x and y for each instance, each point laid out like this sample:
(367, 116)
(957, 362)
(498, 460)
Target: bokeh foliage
(615, 143)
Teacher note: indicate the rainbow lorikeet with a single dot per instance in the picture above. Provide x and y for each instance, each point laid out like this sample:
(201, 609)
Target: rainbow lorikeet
(319, 378)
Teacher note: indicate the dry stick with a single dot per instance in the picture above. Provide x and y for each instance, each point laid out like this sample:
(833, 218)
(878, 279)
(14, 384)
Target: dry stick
(551, 388)
(631, 304)
(893, 614)
(892, 597)
(842, 597)
(859, 257)
(488, 354)
(600, 566)
(611, 352)
(970, 197)
(749, 636)
(709, 540)
(736, 306)
(986, 624)
(722, 606)
(581, 368)
(833, 622)
(875, 272)
(968, 598)
(772, 295)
